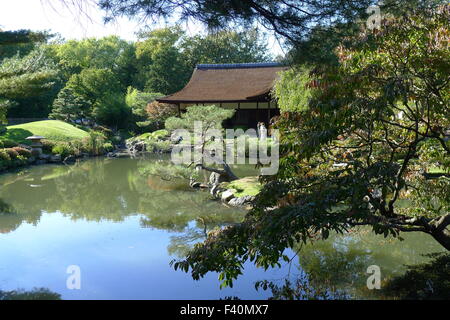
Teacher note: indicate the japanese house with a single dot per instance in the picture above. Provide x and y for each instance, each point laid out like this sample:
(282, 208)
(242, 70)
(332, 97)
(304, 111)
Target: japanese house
(245, 87)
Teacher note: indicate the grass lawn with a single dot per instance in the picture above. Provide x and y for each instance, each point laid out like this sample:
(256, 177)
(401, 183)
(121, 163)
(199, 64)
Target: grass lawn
(249, 186)
(51, 129)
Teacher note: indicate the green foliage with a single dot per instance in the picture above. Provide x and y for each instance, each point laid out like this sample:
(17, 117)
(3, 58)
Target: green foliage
(108, 146)
(169, 172)
(248, 186)
(95, 143)
(211, 117)
(4, 155)
(226, 47)
(166, 57)
(35, 294)
(22, 151)
(427, 281)
(293, 89)
(157, 113)
(161, 64)
(13, 157)
(159, 134)
(64, 149)
(26, 76)
(7, 143)
(112, 111)
(109, 52)
(69, 107)
(94, 73)
(30, 76)
(20, 41)
(101, 88)
(349, 157)
(291, 19)
(137, 101)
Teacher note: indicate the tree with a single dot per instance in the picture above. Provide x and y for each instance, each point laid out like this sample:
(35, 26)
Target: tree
(102, 89)
(161, 64)
(137, 101)
(361, 145)
(290, 18)
(69, 107)
(105, 53)
(158, 113)
(20, 42)
(166, 57)
(25, 77)
(208, 118)
(225, 47)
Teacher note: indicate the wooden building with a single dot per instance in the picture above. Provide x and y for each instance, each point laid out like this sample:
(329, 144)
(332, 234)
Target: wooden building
(245, 87)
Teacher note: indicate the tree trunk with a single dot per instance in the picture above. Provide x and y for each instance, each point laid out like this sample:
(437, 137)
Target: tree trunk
(443, 237)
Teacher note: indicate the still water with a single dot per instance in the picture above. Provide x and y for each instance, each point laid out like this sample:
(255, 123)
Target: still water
(122, 228)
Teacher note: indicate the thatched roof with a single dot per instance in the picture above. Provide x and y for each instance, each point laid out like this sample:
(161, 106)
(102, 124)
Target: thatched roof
(243, 82)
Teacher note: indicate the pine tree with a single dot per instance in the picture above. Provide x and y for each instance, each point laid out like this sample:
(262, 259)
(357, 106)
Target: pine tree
(70, 107)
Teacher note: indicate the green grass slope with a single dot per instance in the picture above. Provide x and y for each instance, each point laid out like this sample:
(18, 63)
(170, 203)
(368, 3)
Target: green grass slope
(51, 129)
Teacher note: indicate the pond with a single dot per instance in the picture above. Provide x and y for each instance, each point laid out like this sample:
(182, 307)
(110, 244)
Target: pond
(123, 228)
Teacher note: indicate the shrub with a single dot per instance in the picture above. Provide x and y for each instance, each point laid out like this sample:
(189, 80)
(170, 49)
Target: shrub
(108, 146)
(7, 143)
(22, 151)
(158, 146)
(107, 132)
(94, 143)
(63, 148)
(158, 113)
(13, 154)
(47, 146)
(160, 134)
(4, 156)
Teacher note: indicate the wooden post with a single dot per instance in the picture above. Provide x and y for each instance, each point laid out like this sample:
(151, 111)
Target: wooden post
(179, 109)
(268, 114)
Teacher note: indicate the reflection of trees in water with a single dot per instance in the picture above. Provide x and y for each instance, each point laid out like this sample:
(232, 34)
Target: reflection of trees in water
(34, 294)
(104, 189)
(337, 267)
(8, 217)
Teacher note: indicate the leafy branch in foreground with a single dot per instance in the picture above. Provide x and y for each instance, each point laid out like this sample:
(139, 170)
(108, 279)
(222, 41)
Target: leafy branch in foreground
(356, 154)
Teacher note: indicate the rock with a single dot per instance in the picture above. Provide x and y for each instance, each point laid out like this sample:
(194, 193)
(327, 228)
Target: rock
(175, 139)
(55, 158)
(216, 178)
(31, 160)
(111, 154)
(41, 161)
(122, 155)
(241, 201)
(227, 195)
(195, 184)
(69, 159)
(44, 156)
(215, 190)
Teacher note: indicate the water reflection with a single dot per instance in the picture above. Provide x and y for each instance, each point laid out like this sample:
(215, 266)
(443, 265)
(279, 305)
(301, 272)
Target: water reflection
(339, 264)
(111, 190)
(116, 223)
(35, 294)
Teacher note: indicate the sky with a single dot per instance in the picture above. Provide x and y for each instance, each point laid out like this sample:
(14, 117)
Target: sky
(76, 23)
